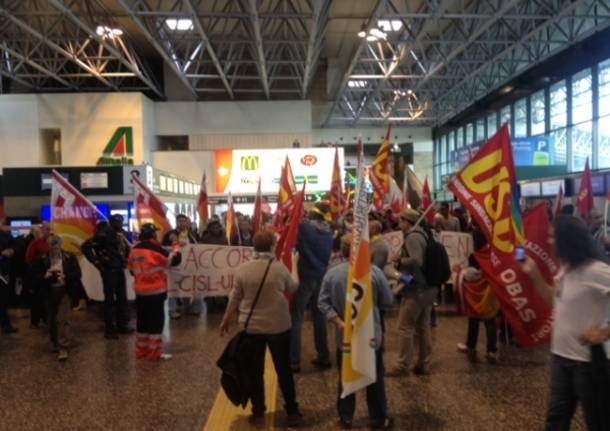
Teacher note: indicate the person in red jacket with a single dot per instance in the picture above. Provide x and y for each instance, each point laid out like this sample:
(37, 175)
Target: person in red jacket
(148, 262)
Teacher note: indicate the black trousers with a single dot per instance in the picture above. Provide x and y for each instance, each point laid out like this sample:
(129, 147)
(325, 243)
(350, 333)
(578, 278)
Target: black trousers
(115, 299)
(150, 313)
(37, 310)
(5, 321)
(375, 395)
(490, 330)
(253, 363)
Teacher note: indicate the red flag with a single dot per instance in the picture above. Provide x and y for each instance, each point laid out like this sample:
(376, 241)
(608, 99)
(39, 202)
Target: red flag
(559, 202)
(286, 194)
(336, 190)
(380, 172)
(257, 217)
(584, 201)
(487, 188)
(233, 236)
(202, 203)
(288, 238)
(426, 202)
(149, 208)
(73, 216)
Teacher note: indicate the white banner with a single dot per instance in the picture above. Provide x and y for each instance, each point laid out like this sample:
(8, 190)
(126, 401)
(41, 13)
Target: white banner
(459, 247)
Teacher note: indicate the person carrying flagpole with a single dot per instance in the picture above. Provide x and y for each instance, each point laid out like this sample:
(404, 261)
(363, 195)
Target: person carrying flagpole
(351, 297)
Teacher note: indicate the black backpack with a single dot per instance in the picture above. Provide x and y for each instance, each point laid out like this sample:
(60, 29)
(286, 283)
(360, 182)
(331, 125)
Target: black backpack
(436, 267)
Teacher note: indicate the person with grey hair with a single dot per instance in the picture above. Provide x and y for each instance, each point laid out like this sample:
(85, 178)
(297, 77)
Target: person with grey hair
(56, 272)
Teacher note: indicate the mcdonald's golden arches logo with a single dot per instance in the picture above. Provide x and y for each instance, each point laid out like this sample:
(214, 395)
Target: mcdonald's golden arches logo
(249, 163)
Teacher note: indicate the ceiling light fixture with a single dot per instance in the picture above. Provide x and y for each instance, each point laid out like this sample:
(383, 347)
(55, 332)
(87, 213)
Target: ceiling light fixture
(506, 89)
(182, 24)
(390, 25)
(107, 32)
(356, 83)
(362, 32)
(374, 34)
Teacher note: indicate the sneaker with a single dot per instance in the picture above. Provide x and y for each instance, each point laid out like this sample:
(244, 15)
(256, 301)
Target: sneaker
(62, 355)
(165, 356)
(82, 306)
(295, 420)
(257, 422)
(397, 372)
(387, 424)
(321, 364)
(345, 423)
(492, 357)
(462, 347)
(421, 370)
(174, 315)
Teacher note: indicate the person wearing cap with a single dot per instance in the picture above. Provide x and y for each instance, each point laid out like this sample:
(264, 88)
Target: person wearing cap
(149, 262)
(332, 304)
(417, 301)
(314, 245)
(108, 250)
(56, 272)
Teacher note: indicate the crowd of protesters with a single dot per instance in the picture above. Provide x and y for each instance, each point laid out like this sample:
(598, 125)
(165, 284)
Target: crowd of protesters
(51, 282)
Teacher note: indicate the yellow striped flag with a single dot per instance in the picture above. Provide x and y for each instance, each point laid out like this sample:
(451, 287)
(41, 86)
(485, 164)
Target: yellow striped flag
(380, 172)
(73, 216)
(336, 190)
(358, 368)
(233, 236)
(149, 208)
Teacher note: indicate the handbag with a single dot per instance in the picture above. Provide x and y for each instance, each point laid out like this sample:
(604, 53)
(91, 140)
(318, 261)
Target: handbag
(232, 379)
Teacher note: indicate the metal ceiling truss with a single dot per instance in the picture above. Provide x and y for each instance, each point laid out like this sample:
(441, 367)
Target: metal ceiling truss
(449, 54)
(264, 47)
(53, 46)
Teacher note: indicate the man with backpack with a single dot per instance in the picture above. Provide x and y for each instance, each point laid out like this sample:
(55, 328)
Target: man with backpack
(423, 263)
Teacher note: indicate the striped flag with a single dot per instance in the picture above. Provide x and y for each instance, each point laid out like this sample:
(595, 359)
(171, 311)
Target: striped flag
(149, 208)
(336, 190)
(380, 172)
(358, 368)
(73, 216)
(232, 228)
(257, 217)
(202, 203)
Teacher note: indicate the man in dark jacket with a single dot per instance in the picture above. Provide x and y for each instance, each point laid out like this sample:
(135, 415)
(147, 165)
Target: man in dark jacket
(314, 244)
(108, 250)
(56, 272)
(6, 254)
(214, 234)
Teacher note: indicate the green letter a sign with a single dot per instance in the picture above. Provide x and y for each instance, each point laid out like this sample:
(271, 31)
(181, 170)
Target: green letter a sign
(119, 150)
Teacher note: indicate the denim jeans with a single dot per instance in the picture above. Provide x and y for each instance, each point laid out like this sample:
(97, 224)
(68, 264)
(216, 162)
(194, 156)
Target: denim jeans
(254, 366)
(375, 395)
(572, 382)
(307, 296)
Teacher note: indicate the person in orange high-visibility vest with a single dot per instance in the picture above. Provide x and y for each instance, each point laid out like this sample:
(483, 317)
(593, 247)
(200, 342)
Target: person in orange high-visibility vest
(148, 262)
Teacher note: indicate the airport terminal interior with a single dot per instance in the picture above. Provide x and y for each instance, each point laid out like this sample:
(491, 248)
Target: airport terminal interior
(154, 152)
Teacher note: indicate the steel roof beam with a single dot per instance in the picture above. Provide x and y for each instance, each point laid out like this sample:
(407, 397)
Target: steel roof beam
(125, 4)
(258, 41)
(210, 49)
(55, 47)
(60, 5)
(316, 35)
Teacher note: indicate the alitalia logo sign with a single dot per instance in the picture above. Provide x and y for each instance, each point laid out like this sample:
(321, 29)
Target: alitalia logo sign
(119, 150)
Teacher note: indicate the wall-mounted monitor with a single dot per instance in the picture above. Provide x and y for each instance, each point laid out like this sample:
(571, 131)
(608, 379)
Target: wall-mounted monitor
(598, 183)
(46, 180)
(530, 190)
(551, 187)
(93, 180)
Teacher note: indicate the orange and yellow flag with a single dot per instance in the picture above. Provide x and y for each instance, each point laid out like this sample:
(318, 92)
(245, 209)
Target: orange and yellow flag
(149, 208)
(358, 359)
(202, 203)
(380, 172)
(73, 216)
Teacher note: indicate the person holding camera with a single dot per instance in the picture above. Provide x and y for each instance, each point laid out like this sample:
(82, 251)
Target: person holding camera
(56, 272)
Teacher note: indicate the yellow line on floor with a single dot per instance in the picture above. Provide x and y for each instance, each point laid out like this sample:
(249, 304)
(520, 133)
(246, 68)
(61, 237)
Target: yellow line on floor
(225, 416)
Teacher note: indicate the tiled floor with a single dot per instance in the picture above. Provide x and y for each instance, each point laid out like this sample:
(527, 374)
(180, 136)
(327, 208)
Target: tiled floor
(102, 387)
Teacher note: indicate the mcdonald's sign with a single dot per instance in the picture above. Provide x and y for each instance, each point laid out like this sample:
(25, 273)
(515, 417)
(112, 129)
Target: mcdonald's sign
(249, 163)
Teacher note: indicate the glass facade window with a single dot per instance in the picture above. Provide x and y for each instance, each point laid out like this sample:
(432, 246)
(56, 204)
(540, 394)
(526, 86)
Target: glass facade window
(604, 88)
(559, 105)
(537, 115)
(561, 145)
(505, 117)
(480, 130)
(604, 142)
(582, 97)
(450, 142)
(459, 138)
(520, 118)
(582, 145)
(469, 134)
(492, 124)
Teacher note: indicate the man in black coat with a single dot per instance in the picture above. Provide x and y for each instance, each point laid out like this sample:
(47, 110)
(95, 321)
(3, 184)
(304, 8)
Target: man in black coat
(6, 255)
